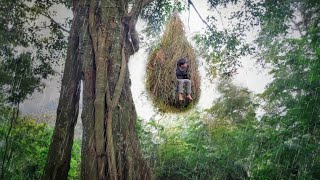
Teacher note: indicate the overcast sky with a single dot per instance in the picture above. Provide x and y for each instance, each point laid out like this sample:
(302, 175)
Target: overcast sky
(250, 75)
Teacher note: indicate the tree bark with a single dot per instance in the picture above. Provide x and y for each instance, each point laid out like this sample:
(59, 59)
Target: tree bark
(101, 41)
(111, 151)
(59, 155)
(88, 152)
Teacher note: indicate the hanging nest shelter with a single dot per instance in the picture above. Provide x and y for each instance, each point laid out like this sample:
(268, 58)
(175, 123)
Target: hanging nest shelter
(161, 81)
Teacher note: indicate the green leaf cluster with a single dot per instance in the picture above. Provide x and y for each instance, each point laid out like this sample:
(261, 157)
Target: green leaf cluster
(29, 47)
(27, 147)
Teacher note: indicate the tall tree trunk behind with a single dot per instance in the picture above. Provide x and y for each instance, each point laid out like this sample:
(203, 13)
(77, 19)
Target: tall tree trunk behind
(101, 41)
(109, 147)
(88, 154)
(59, 155)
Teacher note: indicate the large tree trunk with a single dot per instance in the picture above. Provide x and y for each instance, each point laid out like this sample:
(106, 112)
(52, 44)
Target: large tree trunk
(109, 147)
(102, 38)
(59, 155)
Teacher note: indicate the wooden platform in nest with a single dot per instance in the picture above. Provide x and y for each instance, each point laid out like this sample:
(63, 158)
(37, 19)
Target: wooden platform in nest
(161, 82)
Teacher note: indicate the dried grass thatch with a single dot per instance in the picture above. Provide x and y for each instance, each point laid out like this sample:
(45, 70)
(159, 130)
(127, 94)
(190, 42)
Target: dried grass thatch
(161, 80)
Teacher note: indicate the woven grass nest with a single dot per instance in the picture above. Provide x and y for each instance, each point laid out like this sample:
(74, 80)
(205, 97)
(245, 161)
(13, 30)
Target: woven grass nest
(161, 81)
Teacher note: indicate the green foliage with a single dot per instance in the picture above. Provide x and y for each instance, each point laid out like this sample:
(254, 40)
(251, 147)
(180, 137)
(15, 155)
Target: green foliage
(205, 145)
(74, 172)
(286, 143)
(232, 124)
(149, 139)
(29, 48)
(234, 106)
(222, 50)
(273, 20)
(27, 146)
(194, 150)
(228, 142)
(158, 12)
(222, 47)
(186, 152)
(291, 124)
(19, 78)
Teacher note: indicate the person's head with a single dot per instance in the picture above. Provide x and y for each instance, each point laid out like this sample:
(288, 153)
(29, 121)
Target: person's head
(183, 63)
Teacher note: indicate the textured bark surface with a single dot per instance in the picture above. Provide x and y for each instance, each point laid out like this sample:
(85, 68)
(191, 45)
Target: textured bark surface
(102, 39)
(59, 155)
(88, 160)
(110, 151)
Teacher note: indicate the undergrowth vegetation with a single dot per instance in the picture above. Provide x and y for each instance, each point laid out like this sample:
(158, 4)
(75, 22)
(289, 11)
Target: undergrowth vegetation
(228, 141)
(27, 146)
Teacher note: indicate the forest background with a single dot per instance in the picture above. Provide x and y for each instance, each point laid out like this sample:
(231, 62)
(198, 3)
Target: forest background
(258, 116)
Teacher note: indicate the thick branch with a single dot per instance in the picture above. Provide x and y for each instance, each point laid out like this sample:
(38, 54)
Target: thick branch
(130, 20)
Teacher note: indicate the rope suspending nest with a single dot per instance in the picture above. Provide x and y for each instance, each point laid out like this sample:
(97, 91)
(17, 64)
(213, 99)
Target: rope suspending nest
(161, 81)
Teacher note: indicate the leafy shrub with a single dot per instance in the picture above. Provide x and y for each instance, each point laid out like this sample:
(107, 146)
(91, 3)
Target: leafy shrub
(27, 148)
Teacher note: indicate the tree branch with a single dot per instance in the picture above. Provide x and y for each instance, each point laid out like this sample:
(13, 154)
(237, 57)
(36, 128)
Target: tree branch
(130, 20)
(138, 6)
(45, 14)
(55, 22)
(297, 25)
(191, 3)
